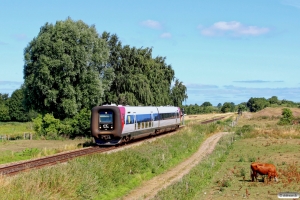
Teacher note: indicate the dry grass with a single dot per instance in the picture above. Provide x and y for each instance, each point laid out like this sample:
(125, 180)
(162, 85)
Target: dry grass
(204, 117)
(233, 179)
(268, 143)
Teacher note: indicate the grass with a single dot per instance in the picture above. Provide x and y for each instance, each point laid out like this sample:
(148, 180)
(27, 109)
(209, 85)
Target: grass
(239, 172)
(201, 176)
(15, 129)
(229, 178)
(225, 174)
(18, 150)
(107, 176)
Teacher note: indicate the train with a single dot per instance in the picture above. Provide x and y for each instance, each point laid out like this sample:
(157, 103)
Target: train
(116, 124)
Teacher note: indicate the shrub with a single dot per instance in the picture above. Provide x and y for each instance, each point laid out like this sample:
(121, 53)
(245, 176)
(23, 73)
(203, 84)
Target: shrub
(287, 117)
(46, 126)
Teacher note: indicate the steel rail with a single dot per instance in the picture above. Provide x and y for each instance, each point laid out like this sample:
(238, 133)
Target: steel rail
(50, 160)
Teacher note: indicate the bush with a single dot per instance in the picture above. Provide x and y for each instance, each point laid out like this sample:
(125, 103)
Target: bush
(287, 117)
(50, 128)
(46, 126)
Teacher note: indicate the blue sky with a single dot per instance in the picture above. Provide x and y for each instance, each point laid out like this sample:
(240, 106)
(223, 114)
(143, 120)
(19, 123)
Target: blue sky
(223, 51)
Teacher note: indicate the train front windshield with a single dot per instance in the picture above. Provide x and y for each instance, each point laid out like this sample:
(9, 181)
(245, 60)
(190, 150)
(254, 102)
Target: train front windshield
(105, 116)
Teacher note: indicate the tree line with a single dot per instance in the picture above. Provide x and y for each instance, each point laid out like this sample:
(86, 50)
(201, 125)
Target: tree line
(254, 104)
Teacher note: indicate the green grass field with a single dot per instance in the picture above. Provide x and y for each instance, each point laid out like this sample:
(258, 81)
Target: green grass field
(15, 128)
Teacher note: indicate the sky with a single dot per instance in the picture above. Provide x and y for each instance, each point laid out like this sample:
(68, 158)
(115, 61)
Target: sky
(222, 51)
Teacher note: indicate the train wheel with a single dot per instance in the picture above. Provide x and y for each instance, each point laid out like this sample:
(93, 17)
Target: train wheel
(126, 139)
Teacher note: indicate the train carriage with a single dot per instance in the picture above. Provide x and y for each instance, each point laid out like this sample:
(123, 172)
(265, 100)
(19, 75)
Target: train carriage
(111, 124)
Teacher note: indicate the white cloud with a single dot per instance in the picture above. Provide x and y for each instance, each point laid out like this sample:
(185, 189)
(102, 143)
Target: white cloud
(166, 35)
(232, 28)
(152, 24)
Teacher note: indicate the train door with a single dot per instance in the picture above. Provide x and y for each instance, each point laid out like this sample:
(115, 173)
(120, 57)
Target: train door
(151, 121)
(135, 123)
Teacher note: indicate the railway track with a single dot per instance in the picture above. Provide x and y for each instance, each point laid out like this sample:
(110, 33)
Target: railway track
(50, 160)
(13, 169)
(212, 120)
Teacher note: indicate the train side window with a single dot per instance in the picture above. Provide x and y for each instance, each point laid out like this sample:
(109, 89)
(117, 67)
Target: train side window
(130, 119)
(155, 117)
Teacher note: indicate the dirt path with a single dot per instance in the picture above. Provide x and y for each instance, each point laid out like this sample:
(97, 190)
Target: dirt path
(150, 188)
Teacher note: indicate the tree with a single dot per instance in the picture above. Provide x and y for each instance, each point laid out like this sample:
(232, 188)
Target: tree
(178, 93)
(242, 107)
(228, 107)
(63, 68)
(4, 113)
(139, 79)
(257, 104)
(4, 109)
(17, 110)
(274, 100)
(206, 103)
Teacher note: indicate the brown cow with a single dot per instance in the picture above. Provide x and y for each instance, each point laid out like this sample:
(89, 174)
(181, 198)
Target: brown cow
(263, 169)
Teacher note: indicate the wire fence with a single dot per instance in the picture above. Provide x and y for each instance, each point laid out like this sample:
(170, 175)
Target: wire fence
(24, 136)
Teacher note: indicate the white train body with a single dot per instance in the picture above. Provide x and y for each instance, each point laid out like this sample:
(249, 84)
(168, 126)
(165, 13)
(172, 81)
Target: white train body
(111, 125)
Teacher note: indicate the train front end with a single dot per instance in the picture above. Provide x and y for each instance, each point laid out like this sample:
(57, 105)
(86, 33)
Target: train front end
(106, 125)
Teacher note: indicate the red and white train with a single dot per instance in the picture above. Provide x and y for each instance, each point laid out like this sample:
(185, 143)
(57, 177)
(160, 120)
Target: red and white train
(112, 125)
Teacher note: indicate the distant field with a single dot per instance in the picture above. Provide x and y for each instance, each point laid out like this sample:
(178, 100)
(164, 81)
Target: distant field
(15, 128)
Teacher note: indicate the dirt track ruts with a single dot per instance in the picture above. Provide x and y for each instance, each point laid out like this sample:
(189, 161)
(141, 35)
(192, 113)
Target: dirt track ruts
(150, 188)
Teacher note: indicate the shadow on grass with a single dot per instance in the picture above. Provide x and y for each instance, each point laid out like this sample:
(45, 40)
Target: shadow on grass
(87, 144)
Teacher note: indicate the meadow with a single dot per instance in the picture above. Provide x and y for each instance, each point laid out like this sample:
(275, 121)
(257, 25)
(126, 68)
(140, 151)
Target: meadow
(15, 130)
(225, 174)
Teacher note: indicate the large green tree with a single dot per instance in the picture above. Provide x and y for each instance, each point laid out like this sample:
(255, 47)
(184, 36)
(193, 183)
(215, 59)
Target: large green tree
(64, 67)
(139, 79)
